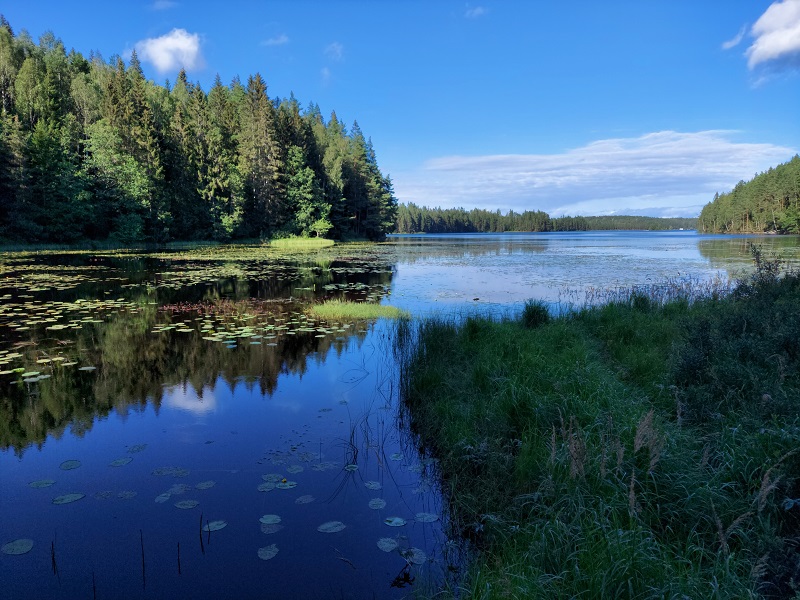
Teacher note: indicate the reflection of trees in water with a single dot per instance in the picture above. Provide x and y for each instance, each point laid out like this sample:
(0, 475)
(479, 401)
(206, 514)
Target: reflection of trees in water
(410, 250)
(733, 253)
(133, 367)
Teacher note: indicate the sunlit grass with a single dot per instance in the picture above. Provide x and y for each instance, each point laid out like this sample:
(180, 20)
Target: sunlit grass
(343, 310)
(300, 243)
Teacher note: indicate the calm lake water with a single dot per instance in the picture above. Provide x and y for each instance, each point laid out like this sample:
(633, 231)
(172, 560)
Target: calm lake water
(147, 398)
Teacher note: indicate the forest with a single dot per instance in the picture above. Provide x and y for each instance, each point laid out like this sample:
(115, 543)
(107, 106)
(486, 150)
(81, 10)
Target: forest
(420, 219)
(91, 150)
(770, 202)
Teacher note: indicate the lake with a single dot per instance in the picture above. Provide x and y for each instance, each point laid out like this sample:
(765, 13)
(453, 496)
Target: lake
(176, 424)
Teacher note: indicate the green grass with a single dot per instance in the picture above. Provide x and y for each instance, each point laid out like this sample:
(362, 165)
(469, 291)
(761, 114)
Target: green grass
(343, 310)
(300, 243)
(639, 449)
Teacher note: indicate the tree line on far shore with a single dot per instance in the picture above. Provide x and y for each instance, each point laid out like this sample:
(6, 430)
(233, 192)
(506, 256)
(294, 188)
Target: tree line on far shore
(421, 219)
(91, 150)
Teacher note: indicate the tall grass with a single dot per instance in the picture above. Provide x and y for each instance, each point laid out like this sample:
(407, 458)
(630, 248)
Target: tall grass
(344, 310)
(300, 243)
(636, 449)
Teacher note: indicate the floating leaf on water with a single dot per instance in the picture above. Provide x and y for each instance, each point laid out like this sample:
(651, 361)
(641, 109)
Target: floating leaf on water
(215, 525)
(377, 503)
(286, 485)
(324, 466)
(120, 462)
(162, 498)
(395, 521)
(137, 448)
(396, 456)
(22, 546)
(267, 552)
(104, 495)
(67, 498)
(387, 544)
(414, 556)
(30, 374)
(331, 527)
(372, 485)
(351, 467)
(307, 499)
(270, 519)
(179, 488)
(272, 477)
(204, 485)
(415, 468)
(171, 471)
(295, 469)
(267, 486)
(68, 465)
(42, 483)
(423, 517)
(186, 504)
(126, 494)
(87, 368)
(269, 528)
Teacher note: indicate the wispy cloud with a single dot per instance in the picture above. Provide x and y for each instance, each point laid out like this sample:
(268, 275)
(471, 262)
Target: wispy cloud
(334, 51)
(172, 51)
(325, 73)
(777, 36)
(474, 12)
(163, 4)
(278, 40)
(662, 173)
(735, 40)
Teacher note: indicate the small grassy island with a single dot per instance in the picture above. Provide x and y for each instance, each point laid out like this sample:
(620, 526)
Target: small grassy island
(638, 449)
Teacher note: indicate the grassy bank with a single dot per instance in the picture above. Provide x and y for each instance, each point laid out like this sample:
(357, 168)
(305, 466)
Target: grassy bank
(634, 450)
(300, 243)
(343, 310)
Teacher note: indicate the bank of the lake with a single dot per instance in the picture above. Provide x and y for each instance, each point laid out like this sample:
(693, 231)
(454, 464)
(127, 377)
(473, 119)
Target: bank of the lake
(633, 450)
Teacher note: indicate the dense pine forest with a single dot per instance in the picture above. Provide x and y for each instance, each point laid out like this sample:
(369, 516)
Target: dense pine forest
(770, 202)
(91, 150)
(415, 219)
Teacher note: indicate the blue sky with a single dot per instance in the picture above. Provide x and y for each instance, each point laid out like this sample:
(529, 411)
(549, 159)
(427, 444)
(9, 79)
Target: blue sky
(577, 107)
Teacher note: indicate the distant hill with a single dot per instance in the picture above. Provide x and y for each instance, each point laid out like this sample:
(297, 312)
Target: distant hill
(767, 203)
(421, 219)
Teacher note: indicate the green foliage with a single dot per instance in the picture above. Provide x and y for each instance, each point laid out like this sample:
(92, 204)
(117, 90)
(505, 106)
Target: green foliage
(768, 202)
(343, 310)
(415, 219)
(634, 449)
(92, 150)
(534, 314)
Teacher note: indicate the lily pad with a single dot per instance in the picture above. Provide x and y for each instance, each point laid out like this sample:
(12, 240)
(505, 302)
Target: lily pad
(270, 519)
(272, 477)
(307, 499)
(372, 485)
(331, 527)
(162, 498)
(41, 483)
(186, 504)
(324, 466)
(295, 469)
(137, 448)
(267, 552)
(204, 485)
(271, 527)
(395, 521)
(171, 472)
(22, 546)
(215, 525)
(179, 488)
(267, 486)
(423, 517)
(414, 556)
(286, 485)
(351, 467)
(120, 462)
(68, 465)
(387, 544)
(377, 503)
(126, 494)
(67, 498)
(396, 456)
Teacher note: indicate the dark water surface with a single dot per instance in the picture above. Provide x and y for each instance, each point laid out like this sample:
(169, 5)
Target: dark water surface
(196, 376)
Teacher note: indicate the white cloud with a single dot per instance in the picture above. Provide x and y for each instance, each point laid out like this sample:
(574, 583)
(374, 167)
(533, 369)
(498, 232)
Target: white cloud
(278, 40)
(186, 398)
(325, 73)
(475, 12)
(777, 34)
(334, 51)
(736, 40)
(171, 52)
(659, 173)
